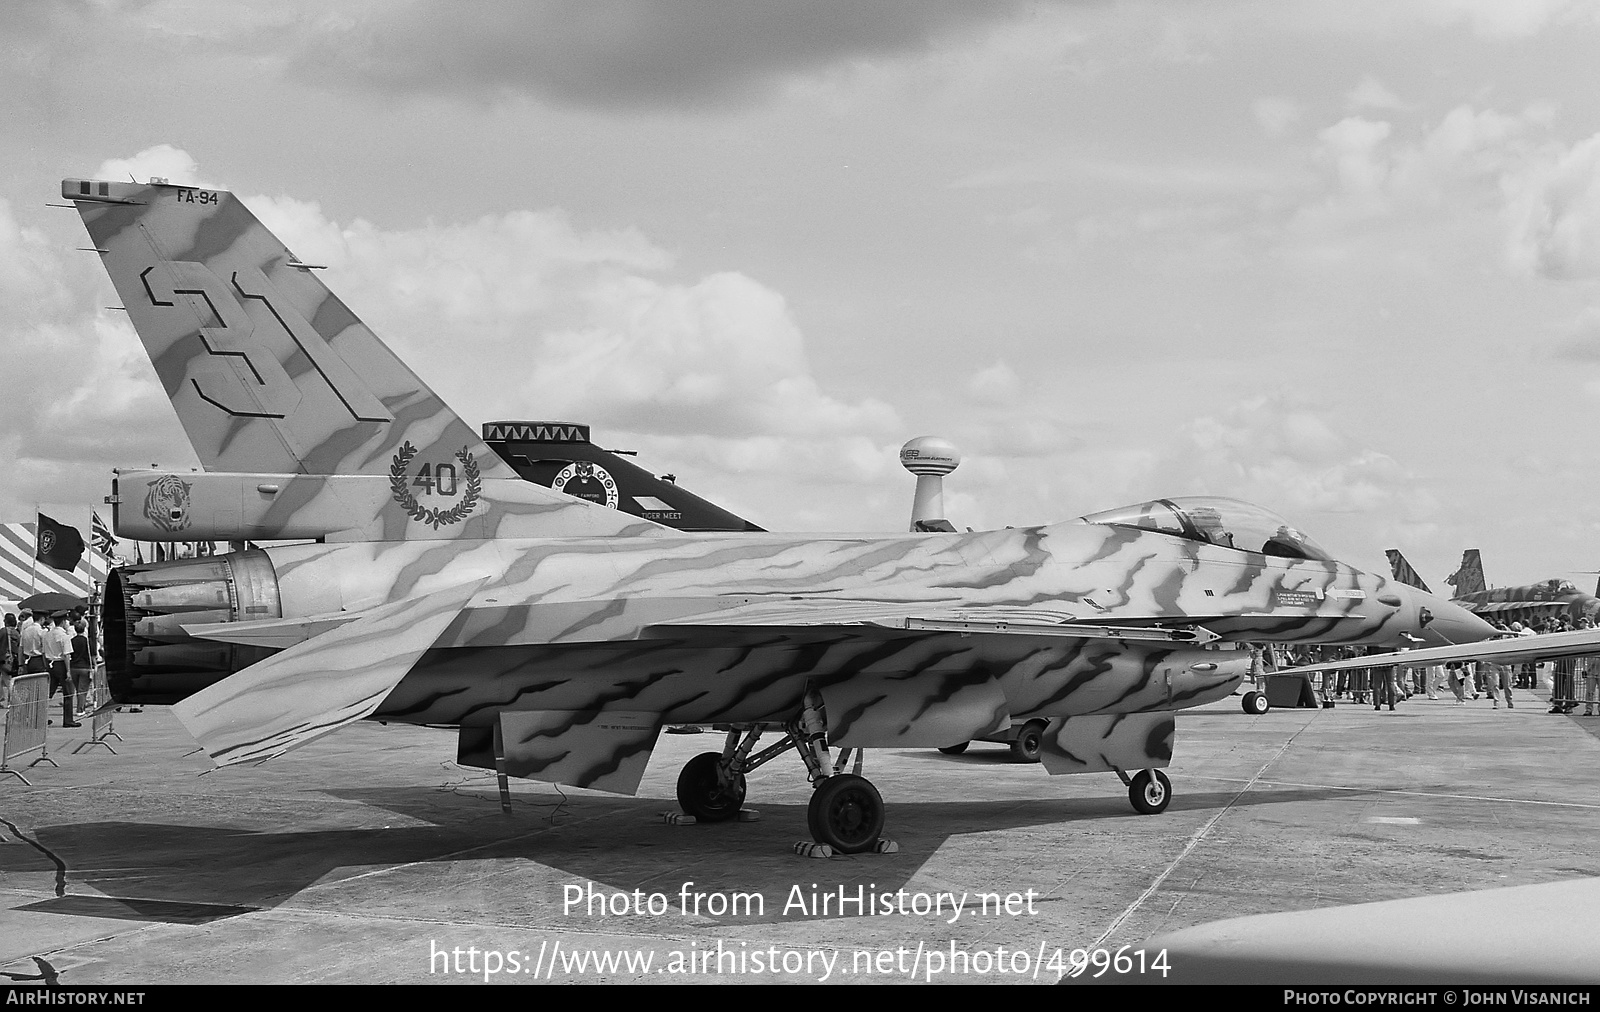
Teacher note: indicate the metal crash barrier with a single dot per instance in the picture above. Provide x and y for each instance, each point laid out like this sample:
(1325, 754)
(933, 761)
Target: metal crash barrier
(23, 731)
(101, 709)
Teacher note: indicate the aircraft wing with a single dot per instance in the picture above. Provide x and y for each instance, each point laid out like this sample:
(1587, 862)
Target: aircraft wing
(318, 685)
(1517, 649)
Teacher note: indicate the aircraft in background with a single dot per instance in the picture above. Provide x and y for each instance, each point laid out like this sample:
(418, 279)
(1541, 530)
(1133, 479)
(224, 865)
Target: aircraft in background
(560, 455)
(1528, 603)
(559, 636)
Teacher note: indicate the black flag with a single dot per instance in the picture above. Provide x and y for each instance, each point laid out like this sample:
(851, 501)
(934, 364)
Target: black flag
(57, 545)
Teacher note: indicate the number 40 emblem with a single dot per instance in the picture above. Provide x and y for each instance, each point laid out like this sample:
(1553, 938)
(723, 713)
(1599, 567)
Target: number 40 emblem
(436, 478)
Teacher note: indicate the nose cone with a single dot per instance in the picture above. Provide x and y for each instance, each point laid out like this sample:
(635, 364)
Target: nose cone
(1444, 623)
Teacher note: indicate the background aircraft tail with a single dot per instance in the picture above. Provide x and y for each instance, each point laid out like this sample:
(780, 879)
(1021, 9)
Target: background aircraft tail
(1468, 579)
(267, 369)
(1403, 572)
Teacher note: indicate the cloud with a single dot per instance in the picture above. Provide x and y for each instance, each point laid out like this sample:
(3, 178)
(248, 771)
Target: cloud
(81, 397)
(1276, 114)
(161, 161)
(997, 384)
(538, 318)
(1288, 457)
(1582, 342)
(619, 53)
(1355, 145)
(1462, 161)
(1555, 210)
(1371, 94)
(1506, 19)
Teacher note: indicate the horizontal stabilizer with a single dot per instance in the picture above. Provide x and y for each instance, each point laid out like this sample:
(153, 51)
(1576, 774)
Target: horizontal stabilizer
(606, 750)
(319, 685)
(919, 709)
(1103, 742)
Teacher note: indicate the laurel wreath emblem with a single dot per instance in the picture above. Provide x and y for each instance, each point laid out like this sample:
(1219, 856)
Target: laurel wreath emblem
(435, 518)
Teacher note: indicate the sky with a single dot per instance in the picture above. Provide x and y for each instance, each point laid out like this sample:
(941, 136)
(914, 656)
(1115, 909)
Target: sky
(1338, 258)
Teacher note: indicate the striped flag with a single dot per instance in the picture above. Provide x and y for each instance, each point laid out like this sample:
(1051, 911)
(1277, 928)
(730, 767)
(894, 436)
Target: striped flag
(20, 577)
(104, 541)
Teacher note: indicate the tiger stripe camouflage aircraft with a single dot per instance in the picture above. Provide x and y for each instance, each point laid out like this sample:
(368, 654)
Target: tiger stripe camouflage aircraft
(559, 636)
(1531, 603)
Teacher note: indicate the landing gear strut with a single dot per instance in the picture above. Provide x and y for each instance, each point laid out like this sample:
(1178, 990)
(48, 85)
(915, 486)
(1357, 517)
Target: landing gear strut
(846, 812)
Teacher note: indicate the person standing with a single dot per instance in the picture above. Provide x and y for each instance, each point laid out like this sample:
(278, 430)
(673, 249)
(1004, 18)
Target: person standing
(80, 665)
(57, 650)
(1385, 684)
(31, 637)
(1563, 685)
(10, 656)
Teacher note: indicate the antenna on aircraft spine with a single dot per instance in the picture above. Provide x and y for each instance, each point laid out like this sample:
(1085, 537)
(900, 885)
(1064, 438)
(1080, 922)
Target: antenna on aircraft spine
(930, 459)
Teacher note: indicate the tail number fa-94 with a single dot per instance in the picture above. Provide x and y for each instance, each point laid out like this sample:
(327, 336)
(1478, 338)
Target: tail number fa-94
(185, 195)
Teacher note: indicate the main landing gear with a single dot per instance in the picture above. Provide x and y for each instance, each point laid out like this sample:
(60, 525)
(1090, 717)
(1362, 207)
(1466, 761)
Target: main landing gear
(846, 812)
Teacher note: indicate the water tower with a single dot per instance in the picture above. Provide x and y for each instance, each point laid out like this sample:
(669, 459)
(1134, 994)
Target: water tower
(930, 459)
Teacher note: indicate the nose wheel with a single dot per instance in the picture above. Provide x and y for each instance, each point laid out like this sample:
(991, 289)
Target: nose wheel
(1149, 791)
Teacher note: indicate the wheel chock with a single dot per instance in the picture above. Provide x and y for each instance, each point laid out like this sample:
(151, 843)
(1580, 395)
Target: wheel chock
(810, 848)
(679, 819)
(749, 815)
(885, 846)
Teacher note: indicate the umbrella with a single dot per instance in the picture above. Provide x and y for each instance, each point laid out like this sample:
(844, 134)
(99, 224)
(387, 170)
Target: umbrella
(51, 602)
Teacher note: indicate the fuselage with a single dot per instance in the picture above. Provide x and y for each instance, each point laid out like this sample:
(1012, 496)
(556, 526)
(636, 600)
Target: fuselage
(732, 628)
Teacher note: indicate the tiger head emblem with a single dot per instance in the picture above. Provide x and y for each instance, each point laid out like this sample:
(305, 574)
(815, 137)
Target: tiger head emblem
(167, 503)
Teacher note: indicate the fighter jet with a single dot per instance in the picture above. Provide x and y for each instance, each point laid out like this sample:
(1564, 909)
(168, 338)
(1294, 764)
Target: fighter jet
(1528, 603)
(559, 636)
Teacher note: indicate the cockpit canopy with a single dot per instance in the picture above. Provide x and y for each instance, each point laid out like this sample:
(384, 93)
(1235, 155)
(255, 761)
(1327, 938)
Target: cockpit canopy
(1214, 520)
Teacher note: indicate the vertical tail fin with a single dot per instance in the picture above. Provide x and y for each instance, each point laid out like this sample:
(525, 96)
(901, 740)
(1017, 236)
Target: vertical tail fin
(268, 370)
(1468, 579)
(1403, 572)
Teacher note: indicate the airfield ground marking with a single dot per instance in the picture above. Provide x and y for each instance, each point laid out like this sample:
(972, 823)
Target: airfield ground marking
(1387, 790)
(1194, 841)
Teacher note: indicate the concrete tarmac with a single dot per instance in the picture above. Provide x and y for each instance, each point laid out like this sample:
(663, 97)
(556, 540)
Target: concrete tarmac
(369, 856)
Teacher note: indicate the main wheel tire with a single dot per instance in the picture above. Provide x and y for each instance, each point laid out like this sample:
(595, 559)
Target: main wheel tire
(1256, 703)
(955, 749)
(702, 794)
(1025, 748)
(1150, 792)
(846, 813)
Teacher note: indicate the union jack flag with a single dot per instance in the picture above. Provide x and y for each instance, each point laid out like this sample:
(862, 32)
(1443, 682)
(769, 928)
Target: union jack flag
(104, 541)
